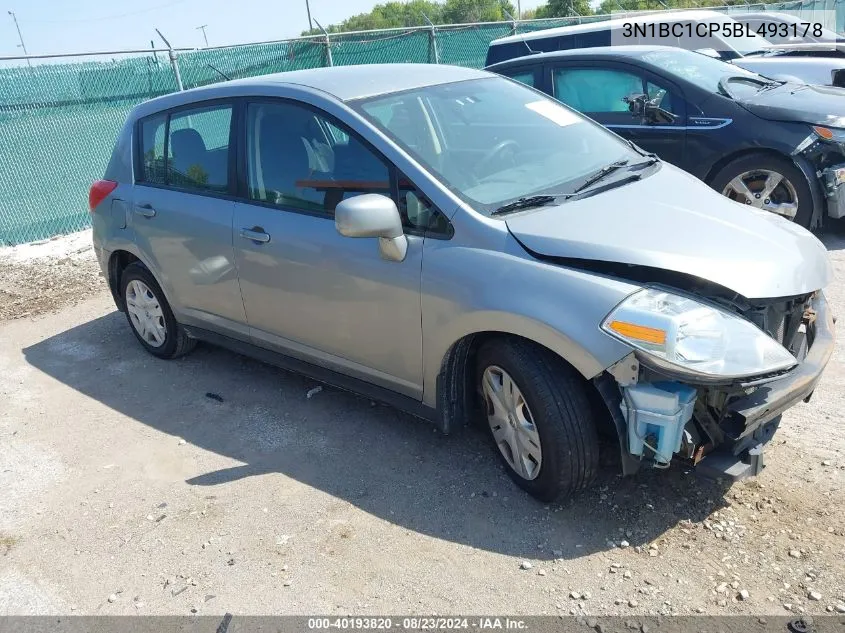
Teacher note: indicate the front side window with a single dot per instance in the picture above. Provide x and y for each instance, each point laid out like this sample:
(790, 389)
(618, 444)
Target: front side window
(596, 90)
(298, 159)
(492, 141)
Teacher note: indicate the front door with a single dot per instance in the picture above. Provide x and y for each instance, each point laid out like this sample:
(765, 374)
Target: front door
(599, 91)
(182, 214)
(308, 291)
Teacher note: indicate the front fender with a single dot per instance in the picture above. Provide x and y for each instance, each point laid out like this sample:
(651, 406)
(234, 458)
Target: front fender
(468, 291)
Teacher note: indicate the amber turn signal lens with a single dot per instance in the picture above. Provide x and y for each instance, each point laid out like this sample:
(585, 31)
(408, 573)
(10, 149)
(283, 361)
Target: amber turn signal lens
(639, 332)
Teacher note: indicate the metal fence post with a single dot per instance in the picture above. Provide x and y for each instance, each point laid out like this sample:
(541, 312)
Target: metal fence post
(514, 21)
(174, 63)
(434, 54)
(329, 60)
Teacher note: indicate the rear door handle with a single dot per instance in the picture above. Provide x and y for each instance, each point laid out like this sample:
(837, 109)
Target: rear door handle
(255, 234)
(146, 210)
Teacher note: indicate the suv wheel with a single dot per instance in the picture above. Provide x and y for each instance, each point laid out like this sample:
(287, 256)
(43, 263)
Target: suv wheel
(150, 315)
(539, 417)
(768, 183)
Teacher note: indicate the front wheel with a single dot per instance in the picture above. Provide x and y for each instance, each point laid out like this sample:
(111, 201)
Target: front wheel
(539, 417)
(769, 183)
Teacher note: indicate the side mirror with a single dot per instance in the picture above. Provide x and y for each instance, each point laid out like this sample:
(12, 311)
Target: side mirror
(373, 215)
(649, 111)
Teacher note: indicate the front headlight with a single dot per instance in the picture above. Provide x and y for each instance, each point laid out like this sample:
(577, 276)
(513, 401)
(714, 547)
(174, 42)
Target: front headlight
(832, 134)
(680, 333)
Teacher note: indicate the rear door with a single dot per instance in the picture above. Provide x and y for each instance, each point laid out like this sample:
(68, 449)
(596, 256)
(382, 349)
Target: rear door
(598, 89)
(182, 213)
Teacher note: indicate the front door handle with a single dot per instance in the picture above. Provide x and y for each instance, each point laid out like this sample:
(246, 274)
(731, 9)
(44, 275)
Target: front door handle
(255, 234)
(146, 210)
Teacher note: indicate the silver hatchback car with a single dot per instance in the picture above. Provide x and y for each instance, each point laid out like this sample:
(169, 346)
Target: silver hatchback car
(466, 248)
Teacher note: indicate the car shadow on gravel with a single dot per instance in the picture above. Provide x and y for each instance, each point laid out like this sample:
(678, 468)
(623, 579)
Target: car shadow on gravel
(386, 463)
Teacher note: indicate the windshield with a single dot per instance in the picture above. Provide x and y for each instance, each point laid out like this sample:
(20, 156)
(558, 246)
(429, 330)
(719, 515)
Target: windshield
(701, 70)
(493, 141)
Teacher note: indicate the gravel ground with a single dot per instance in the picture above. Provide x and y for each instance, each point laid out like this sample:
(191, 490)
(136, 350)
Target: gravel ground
(128, 488)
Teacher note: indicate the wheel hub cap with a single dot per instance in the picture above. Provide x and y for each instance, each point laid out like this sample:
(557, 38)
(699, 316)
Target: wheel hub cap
(764, 189)
(511, 422)
(145, 313)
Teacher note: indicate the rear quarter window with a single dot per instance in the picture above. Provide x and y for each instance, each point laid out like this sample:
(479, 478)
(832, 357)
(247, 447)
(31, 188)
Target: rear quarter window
(152, 149)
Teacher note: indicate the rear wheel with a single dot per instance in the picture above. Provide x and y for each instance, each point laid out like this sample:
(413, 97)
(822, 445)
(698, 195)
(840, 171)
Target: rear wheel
(769, 183)
(150, 316)
(539, 417)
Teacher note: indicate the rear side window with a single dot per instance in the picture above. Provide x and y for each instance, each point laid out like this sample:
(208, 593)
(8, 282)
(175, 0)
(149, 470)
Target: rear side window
(188, 149)
(198, 149)
(522, 76)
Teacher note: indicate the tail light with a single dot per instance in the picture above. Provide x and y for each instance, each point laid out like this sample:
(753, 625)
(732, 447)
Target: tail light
(98, 192)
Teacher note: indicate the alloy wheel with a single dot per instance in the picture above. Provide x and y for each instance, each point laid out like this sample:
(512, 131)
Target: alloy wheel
(764, 189)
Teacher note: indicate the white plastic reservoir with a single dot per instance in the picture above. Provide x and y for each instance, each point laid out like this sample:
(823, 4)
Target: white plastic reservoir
(660, 409)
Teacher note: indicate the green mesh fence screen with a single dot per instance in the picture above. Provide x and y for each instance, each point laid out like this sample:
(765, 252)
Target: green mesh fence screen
(58, 122)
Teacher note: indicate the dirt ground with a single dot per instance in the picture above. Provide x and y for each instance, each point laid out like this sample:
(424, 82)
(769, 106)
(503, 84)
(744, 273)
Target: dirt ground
(214, 484)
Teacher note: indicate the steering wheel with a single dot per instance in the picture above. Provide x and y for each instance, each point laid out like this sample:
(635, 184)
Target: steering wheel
(498, 151)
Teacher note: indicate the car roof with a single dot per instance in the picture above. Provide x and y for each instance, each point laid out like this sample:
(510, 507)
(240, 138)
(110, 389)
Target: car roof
(598, 52)
(343, 83)
(598, 25)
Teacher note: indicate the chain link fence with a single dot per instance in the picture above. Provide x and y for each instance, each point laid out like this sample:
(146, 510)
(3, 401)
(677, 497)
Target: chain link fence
(59, 121)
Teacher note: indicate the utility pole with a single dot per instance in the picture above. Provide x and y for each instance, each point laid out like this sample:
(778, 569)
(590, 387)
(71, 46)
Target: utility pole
(204, 36)
(308, 8)
(20, 36)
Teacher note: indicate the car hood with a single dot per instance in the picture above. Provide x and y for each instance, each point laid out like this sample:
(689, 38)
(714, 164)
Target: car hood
(799, 102)
(672, 221)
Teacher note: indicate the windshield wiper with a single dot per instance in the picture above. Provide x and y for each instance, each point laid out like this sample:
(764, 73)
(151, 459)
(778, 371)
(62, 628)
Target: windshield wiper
(601, 174)
(526, 202)
(771, 85)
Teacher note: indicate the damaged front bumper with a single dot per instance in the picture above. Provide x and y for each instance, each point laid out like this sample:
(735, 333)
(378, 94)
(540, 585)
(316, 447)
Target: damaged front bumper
(745, 415)
(724, 434)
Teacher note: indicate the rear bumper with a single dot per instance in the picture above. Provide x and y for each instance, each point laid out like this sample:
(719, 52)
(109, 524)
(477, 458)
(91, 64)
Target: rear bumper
(768, 401)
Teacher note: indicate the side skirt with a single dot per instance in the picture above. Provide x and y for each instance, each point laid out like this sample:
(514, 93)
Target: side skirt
(318, 373)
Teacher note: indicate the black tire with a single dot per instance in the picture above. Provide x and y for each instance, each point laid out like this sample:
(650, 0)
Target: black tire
(176, 341)
(784, 167)
(556, 397)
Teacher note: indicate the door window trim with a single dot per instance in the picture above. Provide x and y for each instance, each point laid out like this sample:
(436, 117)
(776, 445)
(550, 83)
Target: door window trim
(138, 167)
(242, 170)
